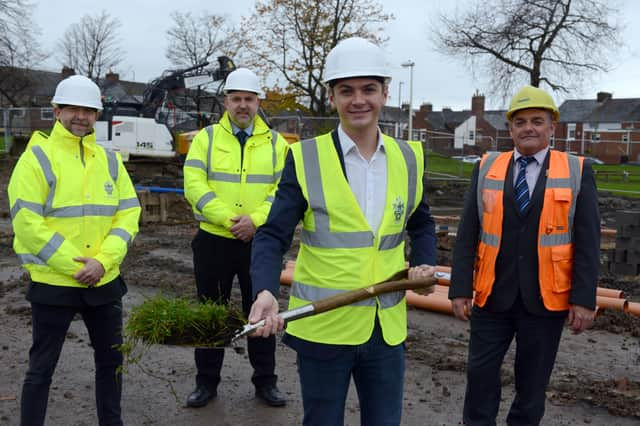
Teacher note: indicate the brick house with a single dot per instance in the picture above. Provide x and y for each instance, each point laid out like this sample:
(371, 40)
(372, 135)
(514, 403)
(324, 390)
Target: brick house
(604, 127)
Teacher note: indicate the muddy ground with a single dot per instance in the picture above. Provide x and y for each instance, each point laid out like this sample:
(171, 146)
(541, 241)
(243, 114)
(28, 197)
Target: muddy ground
(596, 380)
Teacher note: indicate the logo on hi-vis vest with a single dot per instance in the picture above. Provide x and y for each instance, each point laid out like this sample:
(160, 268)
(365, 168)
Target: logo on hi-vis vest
(398, 209)
(108, 188)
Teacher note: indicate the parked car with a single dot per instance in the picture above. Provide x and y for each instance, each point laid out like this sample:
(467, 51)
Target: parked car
(471, 159)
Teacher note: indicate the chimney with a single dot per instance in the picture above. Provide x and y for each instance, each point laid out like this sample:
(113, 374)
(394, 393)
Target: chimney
(447, 109)
(477, 104)
(112, 76)
(426, 108)
(405, 106)
(67, 72)
(603, 96)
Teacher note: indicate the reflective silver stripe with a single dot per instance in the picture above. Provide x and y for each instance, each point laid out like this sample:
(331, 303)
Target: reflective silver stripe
(317, 202)
(50, 248)
(22, 204)
(489, 239)
(277, 175)
(482, 178)
(122, 233)
(390, 300)
(45, 165)
(198, 164)
(274, 139)
(84, 210)
(575, 178)
(391, 241)
(261, 179)
(28, 259)
(112, 161)
(558, 183)
(224, 177)
(204, 200)
(128, 203)
(312, 293)
(270, 198)
(555, 239)
(412, 174)
(209, 130)
(493, 184)
(337, 239)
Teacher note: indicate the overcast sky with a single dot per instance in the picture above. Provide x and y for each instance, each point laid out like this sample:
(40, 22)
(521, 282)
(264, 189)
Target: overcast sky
(437, 79)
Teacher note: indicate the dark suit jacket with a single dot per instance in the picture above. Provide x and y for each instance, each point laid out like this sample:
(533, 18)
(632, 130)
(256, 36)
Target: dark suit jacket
(517, 263)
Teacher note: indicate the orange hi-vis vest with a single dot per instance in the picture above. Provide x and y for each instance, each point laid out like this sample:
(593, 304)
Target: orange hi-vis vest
(555, 230)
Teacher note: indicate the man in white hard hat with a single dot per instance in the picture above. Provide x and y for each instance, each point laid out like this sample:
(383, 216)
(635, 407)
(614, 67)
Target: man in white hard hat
(357, 191)
(74, 213)
(528, 244)
(230, 177)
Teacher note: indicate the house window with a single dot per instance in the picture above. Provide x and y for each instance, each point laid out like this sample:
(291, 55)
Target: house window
(471, 135)
(18, 112)
(625, 137)
(46, 114)
(595, 137)
(571, 131)
(552, 141)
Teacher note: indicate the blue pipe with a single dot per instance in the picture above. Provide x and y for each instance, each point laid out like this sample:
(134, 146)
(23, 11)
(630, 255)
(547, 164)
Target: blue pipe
(159, 189)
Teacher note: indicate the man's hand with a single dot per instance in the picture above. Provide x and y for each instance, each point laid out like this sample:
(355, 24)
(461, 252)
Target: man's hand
(91, 273)
(580, 318)
(462, 307)
(266, 307)
(243, 228)
(419, 272)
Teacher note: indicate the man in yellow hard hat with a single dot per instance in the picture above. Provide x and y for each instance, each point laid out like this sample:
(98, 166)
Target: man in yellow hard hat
(230, 177)
(528, 245)
(356, 191)
(74, 213)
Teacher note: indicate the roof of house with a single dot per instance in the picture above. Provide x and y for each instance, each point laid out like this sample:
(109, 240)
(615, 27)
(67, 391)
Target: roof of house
(496, 119)
(446, 120)
(610, 110)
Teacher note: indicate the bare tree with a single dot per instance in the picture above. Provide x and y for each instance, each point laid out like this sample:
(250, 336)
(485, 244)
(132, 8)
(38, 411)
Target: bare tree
(19, 50)
(289, 40)
(92, 46)
(557, 43)
(193, 40)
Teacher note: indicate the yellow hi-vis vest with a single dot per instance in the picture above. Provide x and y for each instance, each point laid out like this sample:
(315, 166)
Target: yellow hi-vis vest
(218, 188)
(71, 198)
(555, 230)
(338, 250)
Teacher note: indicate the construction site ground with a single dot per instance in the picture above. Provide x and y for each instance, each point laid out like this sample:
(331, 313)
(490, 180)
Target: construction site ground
(596, 380)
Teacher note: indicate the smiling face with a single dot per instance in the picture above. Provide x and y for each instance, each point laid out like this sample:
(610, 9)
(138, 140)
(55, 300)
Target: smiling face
(531, 130)
(242, 107)
(358, 102)
(76, 119)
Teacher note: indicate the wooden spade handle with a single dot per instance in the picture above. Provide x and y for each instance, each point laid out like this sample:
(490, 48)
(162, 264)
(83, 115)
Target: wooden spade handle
(354, 296)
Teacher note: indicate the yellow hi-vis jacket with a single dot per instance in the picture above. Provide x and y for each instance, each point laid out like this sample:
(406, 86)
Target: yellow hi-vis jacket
(71, 198)
(221, 182)
(339, 251)
(555, 242)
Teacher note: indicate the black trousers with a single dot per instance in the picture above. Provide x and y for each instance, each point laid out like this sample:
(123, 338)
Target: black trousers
(537, 341)
(50, 325)
(216, 261)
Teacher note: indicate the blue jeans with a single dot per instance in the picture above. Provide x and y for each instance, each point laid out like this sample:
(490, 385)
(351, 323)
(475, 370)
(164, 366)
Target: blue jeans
(378, 373)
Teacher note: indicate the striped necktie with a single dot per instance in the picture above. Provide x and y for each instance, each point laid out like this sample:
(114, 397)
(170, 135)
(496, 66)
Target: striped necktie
(522, 189)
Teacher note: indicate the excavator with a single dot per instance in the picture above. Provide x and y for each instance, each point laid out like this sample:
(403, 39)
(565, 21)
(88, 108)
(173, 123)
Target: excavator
(173, 109)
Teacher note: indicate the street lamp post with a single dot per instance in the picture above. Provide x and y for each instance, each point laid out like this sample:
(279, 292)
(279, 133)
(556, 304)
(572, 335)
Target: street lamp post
(410, 64)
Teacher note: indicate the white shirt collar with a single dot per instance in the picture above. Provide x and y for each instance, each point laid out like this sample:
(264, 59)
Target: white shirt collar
(347, 144)
(539, 156)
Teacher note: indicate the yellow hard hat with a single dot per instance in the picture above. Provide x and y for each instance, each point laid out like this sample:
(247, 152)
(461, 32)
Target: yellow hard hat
(532, 97)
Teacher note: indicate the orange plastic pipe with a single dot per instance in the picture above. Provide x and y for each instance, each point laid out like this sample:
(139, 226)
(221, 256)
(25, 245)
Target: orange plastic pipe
(633, 308)
(610, 292)
(433, 302)
(611, 303)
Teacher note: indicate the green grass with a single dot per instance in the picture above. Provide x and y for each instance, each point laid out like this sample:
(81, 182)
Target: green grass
(609, 178)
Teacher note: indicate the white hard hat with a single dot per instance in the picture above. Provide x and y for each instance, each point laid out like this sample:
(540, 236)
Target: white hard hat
(245, 80)
(78, 90)
(356, 57)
